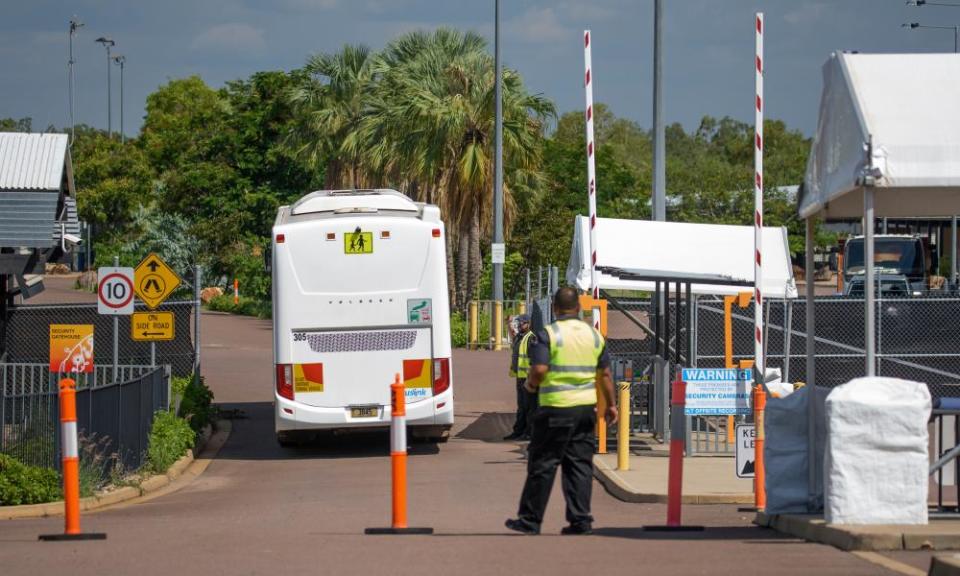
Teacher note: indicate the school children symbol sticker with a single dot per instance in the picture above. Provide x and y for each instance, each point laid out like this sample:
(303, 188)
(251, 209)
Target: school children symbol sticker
(358, 242)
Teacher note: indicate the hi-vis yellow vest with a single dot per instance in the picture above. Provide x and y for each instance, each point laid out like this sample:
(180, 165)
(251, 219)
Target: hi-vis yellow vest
(523, 359)
(575, 348)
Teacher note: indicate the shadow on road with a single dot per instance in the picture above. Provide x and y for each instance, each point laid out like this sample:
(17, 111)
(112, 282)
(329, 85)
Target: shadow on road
(253, 438)
(750, 534)
(489, 427)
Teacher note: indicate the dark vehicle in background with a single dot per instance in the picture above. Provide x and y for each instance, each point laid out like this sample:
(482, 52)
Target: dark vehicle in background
(888, 286)
(897, 259)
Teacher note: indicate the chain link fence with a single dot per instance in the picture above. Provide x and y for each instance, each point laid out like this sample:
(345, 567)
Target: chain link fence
(27, 339)
(916, 340)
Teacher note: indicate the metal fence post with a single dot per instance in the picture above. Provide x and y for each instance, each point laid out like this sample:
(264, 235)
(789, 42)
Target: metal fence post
(197, 276)
(526, 293)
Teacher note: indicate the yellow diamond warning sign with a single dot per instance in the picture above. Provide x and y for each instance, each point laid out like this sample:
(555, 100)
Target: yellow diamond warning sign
(151, 326)
(154, 281)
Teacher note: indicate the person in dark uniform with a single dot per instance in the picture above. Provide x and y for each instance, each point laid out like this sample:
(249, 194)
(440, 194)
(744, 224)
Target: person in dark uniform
(519, 366)
(567, 361)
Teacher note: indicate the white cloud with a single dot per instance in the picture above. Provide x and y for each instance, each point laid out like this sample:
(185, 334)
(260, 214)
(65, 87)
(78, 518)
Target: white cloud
(230, 37)
(308, 5)
(538, 25)
(806, 13)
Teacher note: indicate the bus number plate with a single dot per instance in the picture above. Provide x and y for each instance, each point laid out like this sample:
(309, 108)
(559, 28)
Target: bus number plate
(364, 411)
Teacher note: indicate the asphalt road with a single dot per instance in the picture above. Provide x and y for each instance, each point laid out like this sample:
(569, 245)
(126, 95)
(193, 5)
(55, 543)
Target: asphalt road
(262, 509)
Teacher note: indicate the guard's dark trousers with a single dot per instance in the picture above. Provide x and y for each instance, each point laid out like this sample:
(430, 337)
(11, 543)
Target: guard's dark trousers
(526, 407)
(561, 437)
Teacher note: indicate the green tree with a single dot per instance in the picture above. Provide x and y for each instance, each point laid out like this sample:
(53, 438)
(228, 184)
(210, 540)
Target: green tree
(113, 181)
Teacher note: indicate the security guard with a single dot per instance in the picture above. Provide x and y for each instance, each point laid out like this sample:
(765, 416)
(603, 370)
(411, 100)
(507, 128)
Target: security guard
(519, 366)
(566, 361)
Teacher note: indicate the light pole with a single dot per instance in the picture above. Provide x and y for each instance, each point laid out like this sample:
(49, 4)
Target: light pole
(956, 30)
(108, 43)
(75, 24)
(120, 60)
(926, 3)
(497, 250)
(659, 203)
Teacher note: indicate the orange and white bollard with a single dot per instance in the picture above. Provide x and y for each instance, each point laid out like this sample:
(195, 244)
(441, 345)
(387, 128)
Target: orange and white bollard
(398, 462)
(678, 433)
(236, 291)
(760, 473)
(70, 450)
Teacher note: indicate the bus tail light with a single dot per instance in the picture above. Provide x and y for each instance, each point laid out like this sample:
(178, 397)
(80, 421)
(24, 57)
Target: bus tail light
(285, 381)
(441, 375)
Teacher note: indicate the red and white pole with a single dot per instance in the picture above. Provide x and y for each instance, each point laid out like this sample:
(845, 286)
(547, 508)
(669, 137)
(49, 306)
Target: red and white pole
(678, 431)
(591, 174)
(760, 363)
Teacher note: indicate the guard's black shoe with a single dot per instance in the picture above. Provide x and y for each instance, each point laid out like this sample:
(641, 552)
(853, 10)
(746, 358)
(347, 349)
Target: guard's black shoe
(577, 529)
(519, 526)
(512, 436)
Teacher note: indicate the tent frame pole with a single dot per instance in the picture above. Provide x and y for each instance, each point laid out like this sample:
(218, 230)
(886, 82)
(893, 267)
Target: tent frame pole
(869, 289)
(812, 499)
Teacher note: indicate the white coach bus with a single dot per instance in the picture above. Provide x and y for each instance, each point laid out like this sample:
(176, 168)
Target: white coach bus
(359, 295)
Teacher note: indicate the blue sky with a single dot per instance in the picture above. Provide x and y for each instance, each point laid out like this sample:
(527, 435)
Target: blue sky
(708, 47)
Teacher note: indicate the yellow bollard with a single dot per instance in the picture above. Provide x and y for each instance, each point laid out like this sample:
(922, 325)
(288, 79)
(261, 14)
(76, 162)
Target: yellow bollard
(601, 422)
(623, 427)
(473, 325)
(498, 325)
(521, 307)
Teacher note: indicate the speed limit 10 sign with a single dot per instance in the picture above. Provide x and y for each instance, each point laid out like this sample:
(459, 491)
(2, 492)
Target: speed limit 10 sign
(115, 291)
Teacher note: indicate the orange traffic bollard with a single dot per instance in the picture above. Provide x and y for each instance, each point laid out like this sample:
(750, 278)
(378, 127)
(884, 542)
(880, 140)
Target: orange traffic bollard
(69, 447)
(678, 432)
(759, 480)
(601, 422)
(398, 462)
(236, 291)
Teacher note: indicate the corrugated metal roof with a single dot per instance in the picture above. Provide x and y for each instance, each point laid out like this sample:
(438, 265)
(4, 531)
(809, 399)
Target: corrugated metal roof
(27, 219)
(31, 161)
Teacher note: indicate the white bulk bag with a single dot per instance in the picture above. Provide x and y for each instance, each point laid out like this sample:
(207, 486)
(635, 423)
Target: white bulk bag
(876, 463)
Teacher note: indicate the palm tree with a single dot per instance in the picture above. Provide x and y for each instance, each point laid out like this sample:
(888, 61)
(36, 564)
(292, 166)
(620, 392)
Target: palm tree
(420, 116)
(434, 112)
(332, 101)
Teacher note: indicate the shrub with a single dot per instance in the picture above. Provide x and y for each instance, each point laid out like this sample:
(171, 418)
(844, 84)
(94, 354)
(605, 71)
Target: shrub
(246, 307)
(178, 387)
(22, 484)
(459, 330)
(196, 407)
(97, 466)
(170, 438)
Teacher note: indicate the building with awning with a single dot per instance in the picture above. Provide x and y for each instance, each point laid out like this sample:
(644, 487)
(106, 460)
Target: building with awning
(38, 209)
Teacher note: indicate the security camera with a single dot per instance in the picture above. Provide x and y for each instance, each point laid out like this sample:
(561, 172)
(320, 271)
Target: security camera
(71, 239)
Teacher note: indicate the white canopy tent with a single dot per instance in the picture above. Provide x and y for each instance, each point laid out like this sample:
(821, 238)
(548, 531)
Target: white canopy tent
(680, 249)
(887, 144)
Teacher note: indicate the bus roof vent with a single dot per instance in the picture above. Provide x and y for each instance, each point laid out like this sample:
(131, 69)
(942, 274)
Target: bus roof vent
(346, 201)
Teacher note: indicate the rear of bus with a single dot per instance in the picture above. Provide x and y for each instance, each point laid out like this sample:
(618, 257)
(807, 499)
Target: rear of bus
(359, 295)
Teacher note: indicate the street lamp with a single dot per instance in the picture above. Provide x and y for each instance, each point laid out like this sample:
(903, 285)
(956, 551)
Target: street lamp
(120, 60)
(956, 31)
(75, 24)
(108, 43)
(926, 3)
